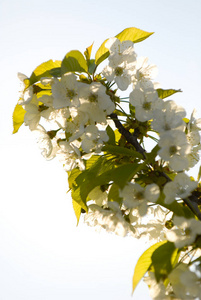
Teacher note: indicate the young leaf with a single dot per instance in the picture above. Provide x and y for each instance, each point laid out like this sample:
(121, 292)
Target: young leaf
(166, 93)
(144, 263)
(18, 117)
(74, 61)
(49, 68)
(132, 34)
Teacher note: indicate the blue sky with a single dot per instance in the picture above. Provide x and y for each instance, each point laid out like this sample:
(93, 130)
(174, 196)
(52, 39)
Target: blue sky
(43, 255)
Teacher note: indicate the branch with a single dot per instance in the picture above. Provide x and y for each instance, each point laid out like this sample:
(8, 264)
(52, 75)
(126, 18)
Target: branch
(191, 201)
(132, 139)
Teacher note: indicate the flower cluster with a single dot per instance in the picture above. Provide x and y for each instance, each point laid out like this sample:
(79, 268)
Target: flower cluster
(114, 181)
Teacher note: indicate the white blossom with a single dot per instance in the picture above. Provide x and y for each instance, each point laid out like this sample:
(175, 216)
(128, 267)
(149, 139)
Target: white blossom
(181, 187)
(184, 231)
(35, 110)
(136, 196)
(95, 103)
(157, 290)
(174, 149)
(145, 101)
(167, 116)
(185, 283)
(65, 91)
(48, 146)
(69, 155)
(120, 51)
(93, 139)
(109, 219)
(26, 94)
(144, 73)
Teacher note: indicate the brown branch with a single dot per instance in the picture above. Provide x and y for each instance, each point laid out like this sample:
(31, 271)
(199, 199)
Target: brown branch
(191, 201)
(132, 139)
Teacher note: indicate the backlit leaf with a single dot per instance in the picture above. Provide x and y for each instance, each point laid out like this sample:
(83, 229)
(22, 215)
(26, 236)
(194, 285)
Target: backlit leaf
(162, 260)
(49, 68)
(18, 117)
(166, 93)
(143, 264)
(87, 52)
(74, 61)
(77, 209)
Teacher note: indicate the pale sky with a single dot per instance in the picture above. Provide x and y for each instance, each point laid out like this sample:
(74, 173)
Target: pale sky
(43, 255)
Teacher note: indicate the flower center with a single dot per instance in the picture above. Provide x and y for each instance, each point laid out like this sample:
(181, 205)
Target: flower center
(119, 71)
(70, 93)
(139, 195)
(93, 98)
(173, 150)
(188, 231)
(147, 105)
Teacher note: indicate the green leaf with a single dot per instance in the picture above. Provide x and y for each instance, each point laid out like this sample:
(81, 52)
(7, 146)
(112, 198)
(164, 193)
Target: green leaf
(49, 68)
(162, 260)
(111, 135)
(113, 194)
(72, 175)
(18, 117)
(132, 34)
(118, 150)
(152, 155)
(74, 61)
(91, 66)
(77, 209)
(89, 179)
(144, 263)
(166, 93)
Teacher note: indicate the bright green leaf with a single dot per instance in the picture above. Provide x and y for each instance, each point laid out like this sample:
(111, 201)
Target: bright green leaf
(132, 34)
(77, 209)
(72, 175)
(74, 61)
(166, 93)
(144, 263)
(18, 117)
(49, 68)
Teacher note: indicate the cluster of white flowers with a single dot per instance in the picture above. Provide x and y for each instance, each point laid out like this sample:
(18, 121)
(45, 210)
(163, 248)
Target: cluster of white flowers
(77, 114)
(69, 115)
